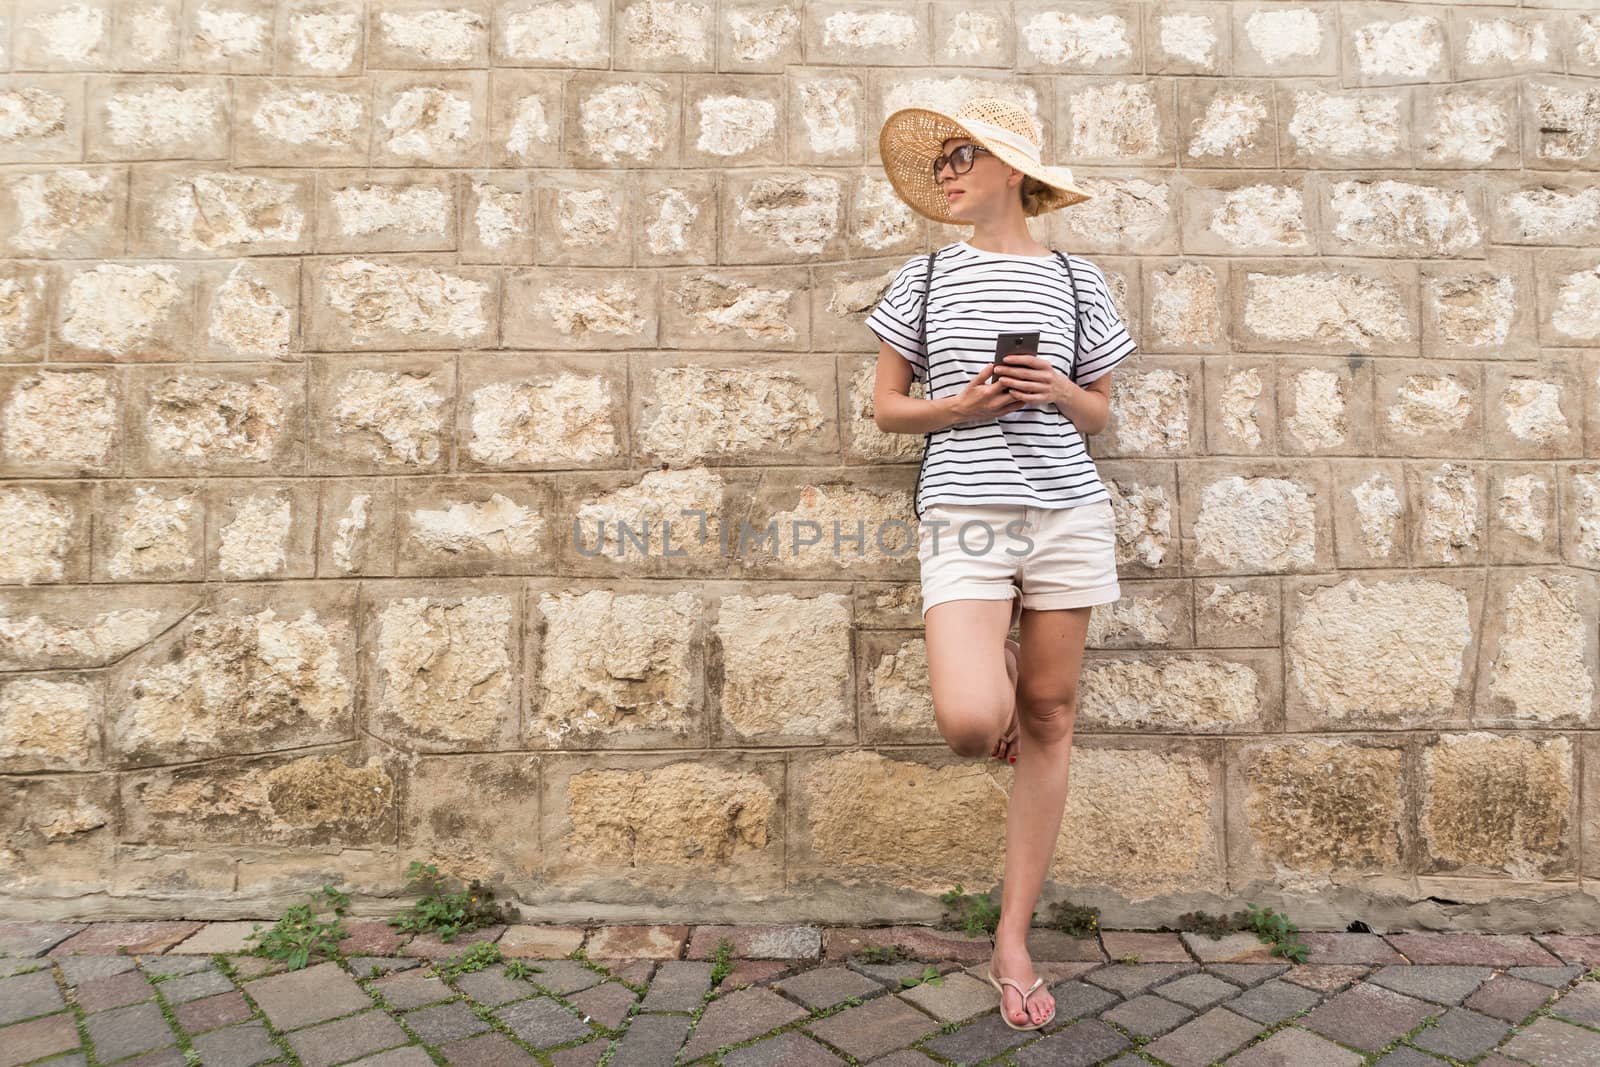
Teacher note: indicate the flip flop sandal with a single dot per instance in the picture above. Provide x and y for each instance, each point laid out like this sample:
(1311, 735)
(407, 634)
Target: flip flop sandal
(1037, 982)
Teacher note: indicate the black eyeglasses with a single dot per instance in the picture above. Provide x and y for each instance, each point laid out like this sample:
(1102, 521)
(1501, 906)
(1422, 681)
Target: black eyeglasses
(960, 160)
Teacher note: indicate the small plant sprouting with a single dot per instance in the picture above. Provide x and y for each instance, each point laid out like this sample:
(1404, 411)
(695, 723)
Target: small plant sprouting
(521, 969)
(1275, 927)
(448, 913)
(723, 965)
(930, 976)
(1214, 926)
(475, 958)
(881, 954)
(299, 934)
(1078, 920)
(974, 913)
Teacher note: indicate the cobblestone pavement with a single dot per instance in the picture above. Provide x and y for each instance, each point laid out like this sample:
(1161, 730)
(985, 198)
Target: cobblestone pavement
(150, 994)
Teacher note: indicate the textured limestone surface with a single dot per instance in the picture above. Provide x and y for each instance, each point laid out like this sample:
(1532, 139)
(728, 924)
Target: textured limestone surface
(445, 430)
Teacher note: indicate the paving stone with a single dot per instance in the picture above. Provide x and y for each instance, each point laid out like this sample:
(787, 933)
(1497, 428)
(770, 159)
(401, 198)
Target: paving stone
(872, 1029)
(1212, 1036)
(183, 989)
(1406, 1056)
(655, 942)
(1273, 1002)
(37, 1038)
(119, 990)
(487, 1050)
(1440, 984)
(739, 1017)
(374, 966)
(166, 1057)
(137, 938)
(633, 972)
(13, 966)
(222, 937)
(1368, 1016)
(585, 1055)
(790, 1049)
(1293, 1047)
(346, 1039)
(757, 942)
(652, 1041)
(492, 987)
(34, 939)
(1148, 1015)
(1511, 999)
(224, 1009)
(755, 972)
(372, 937)
(544, 941)
(542, 1022)
(80, 969)
(1325, 979)
(956, 999)
(823, 987)
(1149, 947)
(1462, 1034)
(1338, 947)
(1581, 1004)
(236, 1046)
(682, 985)
(175, 966)
(983, 1038)
(1197, 991)
(246, 968)
(123, 1032)
(431, 947)
(1245, 974)
(1084, 1042)
(1573, 948)
(410, 1056)
(1229, 948)
(1056, 945)
(918, 942)
(1075, 1000)
(445, 1022)
(412, 989)
(1132, 978)
(1554, 1043)
(1555, 977)
(1480, 950)
(28, 995)
(909, 1057)
(563, 976)
(312, 995)
(607, 1003)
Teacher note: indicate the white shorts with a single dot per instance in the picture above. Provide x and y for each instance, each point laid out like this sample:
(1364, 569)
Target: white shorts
(1071, 561)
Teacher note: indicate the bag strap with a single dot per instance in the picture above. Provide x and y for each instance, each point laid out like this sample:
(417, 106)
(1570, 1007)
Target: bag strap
(922, 335)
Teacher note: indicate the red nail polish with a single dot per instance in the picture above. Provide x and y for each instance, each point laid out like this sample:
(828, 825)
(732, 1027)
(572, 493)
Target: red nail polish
(1013, 759)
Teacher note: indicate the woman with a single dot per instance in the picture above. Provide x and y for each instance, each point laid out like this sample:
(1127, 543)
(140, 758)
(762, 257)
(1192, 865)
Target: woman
(1005, 458)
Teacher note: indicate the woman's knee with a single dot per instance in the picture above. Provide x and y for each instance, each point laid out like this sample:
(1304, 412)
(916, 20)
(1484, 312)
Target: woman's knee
(974, 729)
(1048, 716)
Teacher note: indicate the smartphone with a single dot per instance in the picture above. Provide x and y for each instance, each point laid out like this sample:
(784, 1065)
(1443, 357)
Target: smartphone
(1006, 344)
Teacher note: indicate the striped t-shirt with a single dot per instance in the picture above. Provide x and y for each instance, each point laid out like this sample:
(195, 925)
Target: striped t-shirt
(1033, 455)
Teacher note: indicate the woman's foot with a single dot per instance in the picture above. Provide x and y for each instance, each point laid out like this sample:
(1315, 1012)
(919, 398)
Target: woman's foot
(1016, 965)
(1006, 747)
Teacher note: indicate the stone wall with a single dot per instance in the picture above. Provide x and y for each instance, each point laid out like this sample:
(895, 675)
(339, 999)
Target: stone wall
(332, 332)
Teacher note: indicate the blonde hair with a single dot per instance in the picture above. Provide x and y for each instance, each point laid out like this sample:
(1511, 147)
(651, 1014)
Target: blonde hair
(1035, 194)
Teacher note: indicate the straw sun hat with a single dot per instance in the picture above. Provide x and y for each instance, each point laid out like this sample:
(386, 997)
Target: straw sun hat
(912, 137)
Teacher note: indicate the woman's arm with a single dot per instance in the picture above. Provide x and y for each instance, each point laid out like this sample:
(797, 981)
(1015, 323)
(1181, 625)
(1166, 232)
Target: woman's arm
(1088, 406)
(894, 409)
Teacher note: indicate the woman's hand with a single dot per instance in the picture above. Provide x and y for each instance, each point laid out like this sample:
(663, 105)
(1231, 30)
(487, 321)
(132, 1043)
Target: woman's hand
(983, 399)
(1033, 379)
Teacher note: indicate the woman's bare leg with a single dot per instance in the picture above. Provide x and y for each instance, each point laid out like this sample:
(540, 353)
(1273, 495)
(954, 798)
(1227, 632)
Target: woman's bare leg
(1052, 656)
(973, 695)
